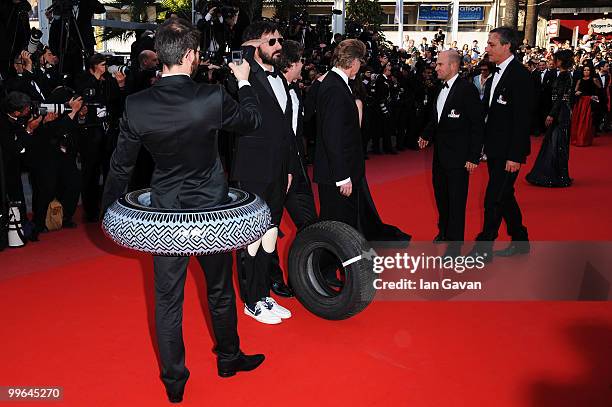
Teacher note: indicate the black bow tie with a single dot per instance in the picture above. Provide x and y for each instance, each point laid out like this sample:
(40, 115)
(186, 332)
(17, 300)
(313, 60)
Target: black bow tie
(497, 69)
(445, 85)
(273, 74)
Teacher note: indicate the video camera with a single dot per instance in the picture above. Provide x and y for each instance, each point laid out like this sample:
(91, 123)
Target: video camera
(58, 102)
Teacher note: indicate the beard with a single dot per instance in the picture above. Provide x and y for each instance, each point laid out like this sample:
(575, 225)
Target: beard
(268, 59)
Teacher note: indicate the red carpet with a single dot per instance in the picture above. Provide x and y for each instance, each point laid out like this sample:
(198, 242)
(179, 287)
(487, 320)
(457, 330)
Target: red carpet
(76, 313)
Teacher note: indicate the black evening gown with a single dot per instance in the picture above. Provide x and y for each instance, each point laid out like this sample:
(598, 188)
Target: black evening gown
(551, 166)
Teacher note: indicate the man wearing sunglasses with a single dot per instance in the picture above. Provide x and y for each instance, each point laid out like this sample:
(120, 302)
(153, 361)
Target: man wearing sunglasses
(264, 163)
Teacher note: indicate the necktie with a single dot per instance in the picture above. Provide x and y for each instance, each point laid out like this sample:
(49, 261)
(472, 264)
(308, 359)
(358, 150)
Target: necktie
(273, 74)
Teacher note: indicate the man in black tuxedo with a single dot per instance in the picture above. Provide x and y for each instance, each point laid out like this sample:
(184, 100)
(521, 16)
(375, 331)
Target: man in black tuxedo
(264, 163)
(300, 199)
(177, 120)
(339, 166)
(457, 128)
(509, 97)
(545, 94)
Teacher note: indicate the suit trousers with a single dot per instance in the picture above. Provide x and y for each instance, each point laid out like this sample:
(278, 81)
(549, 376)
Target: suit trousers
(170, 273)
(254, 274)
(300, 202)
(500, 203)
(335, 206)
(451, 192)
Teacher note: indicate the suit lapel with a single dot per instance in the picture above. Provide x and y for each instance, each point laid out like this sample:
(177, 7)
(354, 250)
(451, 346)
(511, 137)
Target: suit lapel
(447, 103)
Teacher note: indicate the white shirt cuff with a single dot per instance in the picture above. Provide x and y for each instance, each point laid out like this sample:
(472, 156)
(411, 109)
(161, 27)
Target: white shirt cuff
(344, 181)
(243, 82)
(208, 17)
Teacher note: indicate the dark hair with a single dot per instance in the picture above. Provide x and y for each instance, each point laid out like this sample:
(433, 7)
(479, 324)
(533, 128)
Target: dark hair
(95, 59)
(507, 35)
(173, 39)
(15, 102)
(566, 57)
(291, 53)
(257, 29)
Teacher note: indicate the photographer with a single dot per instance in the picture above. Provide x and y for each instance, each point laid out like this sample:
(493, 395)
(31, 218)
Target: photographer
(78, 14)
(46, 75)
(217, 28)
(14, 31)
(98, 133)
(51, 158)
(22, 78)
(16, 128)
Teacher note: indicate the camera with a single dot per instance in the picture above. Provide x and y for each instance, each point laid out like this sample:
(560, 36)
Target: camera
(113, 69)
(34, 43)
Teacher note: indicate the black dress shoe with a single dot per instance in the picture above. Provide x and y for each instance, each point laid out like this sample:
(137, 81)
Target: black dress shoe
(487, 255)
(281, 289)
(514, 249)
(439, 239)
(174, 397)
(244, 363)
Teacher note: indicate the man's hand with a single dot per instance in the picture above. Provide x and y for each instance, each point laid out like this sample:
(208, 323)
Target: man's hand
(289, 180)
(242, 71)
(27, 61)
(549, 121)
(470, 166)
(253, 43)
(33, 124)
(512, 166)
(49, 117)
(423, 143)
(346, 189)
(76, 104)
(120, 78)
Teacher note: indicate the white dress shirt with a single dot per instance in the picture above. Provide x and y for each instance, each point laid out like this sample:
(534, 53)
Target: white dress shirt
(345, 78)
(497, 76)
(444, 95)
(295, 103)
(278, 87)
(542, 74)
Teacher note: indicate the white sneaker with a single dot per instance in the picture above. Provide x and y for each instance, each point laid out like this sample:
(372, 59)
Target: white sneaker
(275, 308)
(262, 314)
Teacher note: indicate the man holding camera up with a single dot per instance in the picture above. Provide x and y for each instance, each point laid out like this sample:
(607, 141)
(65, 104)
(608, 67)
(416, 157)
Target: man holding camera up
(14, 31)
(102, 93)
(188, 174)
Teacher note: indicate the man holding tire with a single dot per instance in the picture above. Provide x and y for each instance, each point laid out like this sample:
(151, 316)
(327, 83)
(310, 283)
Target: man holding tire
(177, 120)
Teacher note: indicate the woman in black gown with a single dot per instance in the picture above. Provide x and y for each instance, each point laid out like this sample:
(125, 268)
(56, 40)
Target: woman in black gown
(551, 166)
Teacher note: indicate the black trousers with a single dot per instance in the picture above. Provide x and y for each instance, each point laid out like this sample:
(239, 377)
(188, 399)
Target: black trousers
(384, 129)
(500, 203)
(254, 273)
(57, 178)
(92, 148)
(170, 273)
(301, 208)
(335, 206)
(451, 192)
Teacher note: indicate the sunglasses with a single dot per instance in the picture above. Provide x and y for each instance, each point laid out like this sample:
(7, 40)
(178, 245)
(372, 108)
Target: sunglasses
(272, 41)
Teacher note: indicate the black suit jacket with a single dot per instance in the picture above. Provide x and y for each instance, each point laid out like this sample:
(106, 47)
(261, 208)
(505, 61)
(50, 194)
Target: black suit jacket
(509, 115)
(266, 154)
(177, 121)
(459, 134)
(339, 153)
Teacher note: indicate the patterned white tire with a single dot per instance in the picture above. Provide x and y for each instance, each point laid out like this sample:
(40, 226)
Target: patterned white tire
(131, 222)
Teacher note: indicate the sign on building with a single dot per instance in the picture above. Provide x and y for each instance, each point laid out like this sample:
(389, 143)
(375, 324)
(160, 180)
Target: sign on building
(553, 28)
(601, 26)
(441, 13)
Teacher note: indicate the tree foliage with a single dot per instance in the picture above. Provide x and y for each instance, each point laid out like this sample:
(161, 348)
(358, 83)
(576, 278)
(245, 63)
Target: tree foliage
(366, 13)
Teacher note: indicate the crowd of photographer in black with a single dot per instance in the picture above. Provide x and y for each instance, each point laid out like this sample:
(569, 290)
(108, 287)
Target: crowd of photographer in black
(60, 123)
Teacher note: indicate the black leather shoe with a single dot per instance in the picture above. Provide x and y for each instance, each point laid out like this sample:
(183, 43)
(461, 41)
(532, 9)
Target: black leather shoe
(439, 239)
(487, 255)
(244, 363)
(174, 397)
(514, 249)
(281, 289)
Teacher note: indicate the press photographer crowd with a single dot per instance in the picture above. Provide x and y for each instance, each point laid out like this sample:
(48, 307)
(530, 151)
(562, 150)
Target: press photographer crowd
(62, 102)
